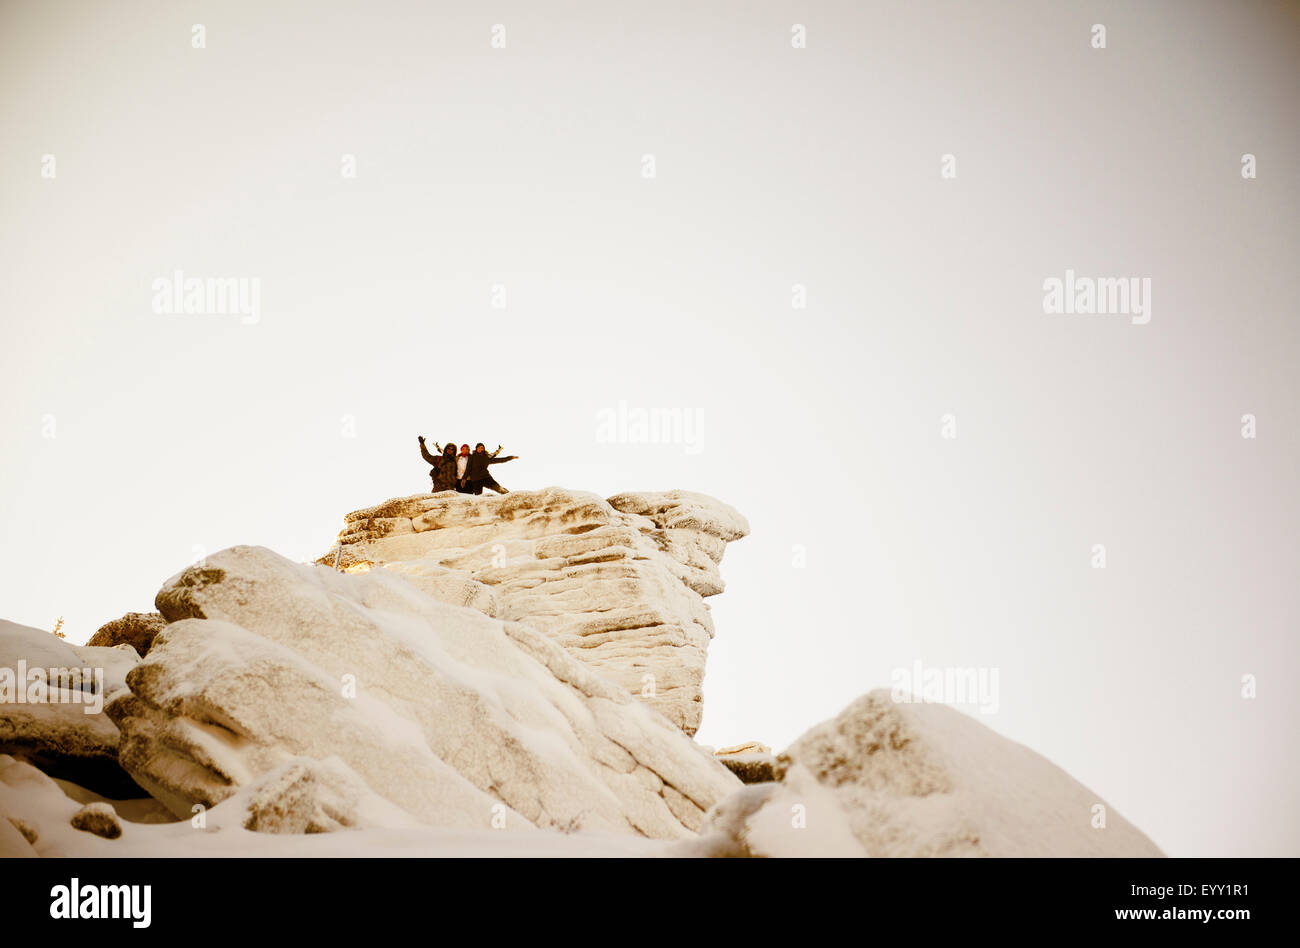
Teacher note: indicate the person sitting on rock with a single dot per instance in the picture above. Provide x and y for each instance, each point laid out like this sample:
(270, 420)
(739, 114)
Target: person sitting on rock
(443, 470)
(477, 476)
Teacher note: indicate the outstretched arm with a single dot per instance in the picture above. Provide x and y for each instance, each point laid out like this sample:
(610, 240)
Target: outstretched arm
(497, 460)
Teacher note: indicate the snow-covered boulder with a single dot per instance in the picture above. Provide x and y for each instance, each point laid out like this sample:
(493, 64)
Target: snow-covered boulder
(98, 818)
(620, 583)
(455, 719)
(917, 779)
(797, 818)
(52, 699)
(34, 647)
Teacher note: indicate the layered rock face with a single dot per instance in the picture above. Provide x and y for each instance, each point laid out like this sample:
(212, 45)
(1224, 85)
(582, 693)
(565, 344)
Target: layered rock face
(620, 583)
(358, 700)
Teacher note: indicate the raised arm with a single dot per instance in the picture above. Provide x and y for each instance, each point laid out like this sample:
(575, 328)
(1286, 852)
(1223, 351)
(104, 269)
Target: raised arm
(425, 452)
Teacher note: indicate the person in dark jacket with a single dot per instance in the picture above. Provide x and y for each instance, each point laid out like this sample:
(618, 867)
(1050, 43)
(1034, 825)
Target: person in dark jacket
(459, 468)
(443, 466)
(477, 475)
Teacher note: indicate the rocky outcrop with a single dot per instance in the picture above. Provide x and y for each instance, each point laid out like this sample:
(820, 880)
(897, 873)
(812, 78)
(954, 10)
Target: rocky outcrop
(917, 779)
(463, 665)
(359, 700)
(135, 629)
(61, 726)
(620, 583)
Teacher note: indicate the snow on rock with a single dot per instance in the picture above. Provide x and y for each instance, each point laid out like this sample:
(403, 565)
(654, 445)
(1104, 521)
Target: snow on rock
(13, 844)
(796, 818)
(64, 730)
(36, 647)
(32, 804)
(427, 713)
(304, 795)
(620, 583)
(48, 808)
(98, 818)
(919, 779)
(451, 586)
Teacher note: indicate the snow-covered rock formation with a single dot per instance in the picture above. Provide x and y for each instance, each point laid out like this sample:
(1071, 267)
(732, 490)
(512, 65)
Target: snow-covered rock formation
(358, 700)
(477, 671)
(884, 778)
(620, 583)
(52, 697)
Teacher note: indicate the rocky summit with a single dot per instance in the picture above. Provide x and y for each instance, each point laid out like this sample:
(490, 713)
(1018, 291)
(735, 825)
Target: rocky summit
(619, 583)
(515, 676)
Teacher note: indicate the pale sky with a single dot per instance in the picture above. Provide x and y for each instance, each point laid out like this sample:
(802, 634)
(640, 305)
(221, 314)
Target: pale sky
(137, 441)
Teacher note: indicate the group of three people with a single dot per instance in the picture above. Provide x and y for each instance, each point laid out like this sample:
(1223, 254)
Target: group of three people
(465, 472)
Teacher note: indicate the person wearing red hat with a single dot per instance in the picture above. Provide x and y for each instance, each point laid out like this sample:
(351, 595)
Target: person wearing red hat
(462, 465)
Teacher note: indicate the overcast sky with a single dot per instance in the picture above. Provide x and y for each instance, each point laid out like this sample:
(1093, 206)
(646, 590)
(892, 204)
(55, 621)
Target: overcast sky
(136, 440)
